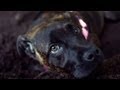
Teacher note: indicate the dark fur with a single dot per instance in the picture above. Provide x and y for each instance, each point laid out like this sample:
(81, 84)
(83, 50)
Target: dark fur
(53, 29)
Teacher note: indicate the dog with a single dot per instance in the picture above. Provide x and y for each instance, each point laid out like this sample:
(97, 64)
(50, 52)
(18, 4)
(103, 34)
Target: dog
(66, 41)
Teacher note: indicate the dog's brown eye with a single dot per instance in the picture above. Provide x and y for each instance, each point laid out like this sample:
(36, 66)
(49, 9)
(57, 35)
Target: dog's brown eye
(72, 28)
(54, 49)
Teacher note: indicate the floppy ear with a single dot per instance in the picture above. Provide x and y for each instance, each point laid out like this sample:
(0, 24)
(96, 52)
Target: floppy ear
(112, 15)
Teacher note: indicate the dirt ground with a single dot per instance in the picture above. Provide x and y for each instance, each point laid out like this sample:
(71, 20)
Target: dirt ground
(12, 66)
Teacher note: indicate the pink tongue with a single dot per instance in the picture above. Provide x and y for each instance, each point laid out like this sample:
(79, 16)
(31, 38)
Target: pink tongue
(85, 33)
(84, 30)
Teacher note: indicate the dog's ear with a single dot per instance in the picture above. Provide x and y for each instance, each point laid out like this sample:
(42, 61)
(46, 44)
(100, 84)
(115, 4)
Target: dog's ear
(112, 15)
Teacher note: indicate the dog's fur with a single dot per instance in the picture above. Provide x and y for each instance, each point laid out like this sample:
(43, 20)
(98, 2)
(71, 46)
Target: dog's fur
(62, 30)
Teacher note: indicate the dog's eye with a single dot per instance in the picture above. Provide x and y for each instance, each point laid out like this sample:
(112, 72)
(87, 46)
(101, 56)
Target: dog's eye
(29, 48)
(73, 28)
(55, 48)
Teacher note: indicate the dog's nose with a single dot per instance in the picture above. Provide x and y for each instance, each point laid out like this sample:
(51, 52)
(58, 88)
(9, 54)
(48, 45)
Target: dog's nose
(24, 46)
(91, 54)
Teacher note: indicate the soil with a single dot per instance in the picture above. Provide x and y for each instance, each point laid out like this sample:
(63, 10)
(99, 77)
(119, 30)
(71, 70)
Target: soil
(12, 66)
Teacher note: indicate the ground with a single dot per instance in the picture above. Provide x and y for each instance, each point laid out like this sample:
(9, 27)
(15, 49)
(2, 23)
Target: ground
(12, 66)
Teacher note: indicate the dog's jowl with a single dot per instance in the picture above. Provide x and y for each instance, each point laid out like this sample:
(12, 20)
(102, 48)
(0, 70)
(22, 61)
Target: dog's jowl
(65, 40)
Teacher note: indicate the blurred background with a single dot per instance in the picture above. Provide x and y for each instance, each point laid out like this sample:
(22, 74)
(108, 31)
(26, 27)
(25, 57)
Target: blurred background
(12, 66)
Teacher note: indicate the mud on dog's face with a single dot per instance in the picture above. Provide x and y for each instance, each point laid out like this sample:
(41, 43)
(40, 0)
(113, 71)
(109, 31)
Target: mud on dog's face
(62, 44)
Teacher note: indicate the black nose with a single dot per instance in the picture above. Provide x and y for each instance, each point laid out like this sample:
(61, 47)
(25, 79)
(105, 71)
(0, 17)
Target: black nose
(24, 46)
(91, 54)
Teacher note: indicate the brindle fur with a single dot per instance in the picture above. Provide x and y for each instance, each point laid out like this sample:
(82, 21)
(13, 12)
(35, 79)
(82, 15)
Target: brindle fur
(94, 20)
(48, 18)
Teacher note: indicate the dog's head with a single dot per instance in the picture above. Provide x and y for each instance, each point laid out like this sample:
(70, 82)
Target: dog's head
(61, 40)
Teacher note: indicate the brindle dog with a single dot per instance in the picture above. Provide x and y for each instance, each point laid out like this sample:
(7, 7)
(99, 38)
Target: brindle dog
(66, 40)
